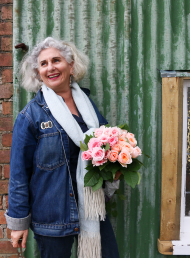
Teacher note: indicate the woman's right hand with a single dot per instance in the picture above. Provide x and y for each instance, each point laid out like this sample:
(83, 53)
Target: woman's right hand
(16, 235)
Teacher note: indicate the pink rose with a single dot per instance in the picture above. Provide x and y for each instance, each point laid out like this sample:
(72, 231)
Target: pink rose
(107, 131)
(127, 146)
(113, 156)
(99, 131)
(94, 142)
(115, 131)
(132, 139)
(106, 154)
(86, 155)
(99, 163)
(103, 138)
(124, 133)
(122, 139)
(124, 158)
(98, 153)
(116, 147)
(136, 152)
(112, 140)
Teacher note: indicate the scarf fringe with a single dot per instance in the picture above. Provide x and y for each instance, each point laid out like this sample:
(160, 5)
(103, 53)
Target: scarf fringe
(94, 204)
(89, 245)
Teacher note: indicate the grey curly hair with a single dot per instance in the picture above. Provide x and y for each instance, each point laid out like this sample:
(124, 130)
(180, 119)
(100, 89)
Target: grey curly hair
(30, 64)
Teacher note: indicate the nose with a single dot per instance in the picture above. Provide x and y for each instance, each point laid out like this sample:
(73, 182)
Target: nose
(50, 67)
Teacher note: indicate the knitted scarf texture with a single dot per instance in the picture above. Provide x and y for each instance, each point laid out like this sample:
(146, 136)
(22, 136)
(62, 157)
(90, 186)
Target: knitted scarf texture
(91, 204)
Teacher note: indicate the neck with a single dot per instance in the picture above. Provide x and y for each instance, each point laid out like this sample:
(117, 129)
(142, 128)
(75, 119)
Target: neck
(66, 93)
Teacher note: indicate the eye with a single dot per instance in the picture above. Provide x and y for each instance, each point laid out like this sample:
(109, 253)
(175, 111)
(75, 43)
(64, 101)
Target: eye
(56, 60)
(43, 63)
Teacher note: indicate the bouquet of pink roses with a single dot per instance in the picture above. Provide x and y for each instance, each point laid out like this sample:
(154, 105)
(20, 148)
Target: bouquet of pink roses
(111, 149)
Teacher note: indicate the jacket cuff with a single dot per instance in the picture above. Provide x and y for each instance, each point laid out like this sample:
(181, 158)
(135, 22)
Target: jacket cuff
(18, 223)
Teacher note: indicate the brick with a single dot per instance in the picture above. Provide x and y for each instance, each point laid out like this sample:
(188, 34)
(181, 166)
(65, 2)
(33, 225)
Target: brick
(6, 44)
(7, 12)
(7, 75)
(7, 248)
(4, 185)
(6, 1)
(6, 59)
(6, 28)
(1, 232)
(7, 108)
(4, 157)
(2, 218)
(8, 233)
(13, 256)
(6, 171)
(6, 91)
(7, 140)
(6, 124)
(0, 177)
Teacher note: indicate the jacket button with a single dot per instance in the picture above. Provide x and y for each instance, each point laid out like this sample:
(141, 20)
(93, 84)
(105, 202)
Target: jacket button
(71, 194)
(76, 229)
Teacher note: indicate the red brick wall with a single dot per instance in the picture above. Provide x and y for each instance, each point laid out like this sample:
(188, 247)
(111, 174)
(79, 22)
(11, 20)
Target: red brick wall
(6, 120)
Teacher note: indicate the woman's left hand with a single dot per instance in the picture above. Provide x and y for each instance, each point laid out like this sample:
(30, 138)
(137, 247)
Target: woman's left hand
(117, 175)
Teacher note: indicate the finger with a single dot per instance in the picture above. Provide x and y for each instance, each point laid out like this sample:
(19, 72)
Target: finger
(15, 244)
(24, 238)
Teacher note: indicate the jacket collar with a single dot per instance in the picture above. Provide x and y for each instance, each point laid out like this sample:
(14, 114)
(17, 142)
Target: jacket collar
(41, 101)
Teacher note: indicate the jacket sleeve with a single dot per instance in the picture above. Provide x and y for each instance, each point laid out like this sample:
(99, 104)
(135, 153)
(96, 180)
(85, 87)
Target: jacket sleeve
(21, 168)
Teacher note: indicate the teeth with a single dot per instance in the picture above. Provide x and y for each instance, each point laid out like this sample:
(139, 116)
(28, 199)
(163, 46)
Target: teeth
(53, 76)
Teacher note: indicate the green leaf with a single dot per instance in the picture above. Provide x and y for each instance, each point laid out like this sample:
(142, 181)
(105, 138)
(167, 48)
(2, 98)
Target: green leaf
(140, 162)
(107, 125)
(83, 147)
(139, 175)
(89, 167)
(124, 126)
(131, 178)
(107, 175)
(113, 167)
(146, 155)
(98, 185)
(104, 165)
(87, 138)
(91, 178)
(107, 146)
(134, 166)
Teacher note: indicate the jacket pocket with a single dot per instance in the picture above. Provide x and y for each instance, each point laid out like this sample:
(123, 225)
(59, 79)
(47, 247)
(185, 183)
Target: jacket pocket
(50, 151)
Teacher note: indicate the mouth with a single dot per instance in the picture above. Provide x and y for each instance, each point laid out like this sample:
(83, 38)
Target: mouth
(53, 76)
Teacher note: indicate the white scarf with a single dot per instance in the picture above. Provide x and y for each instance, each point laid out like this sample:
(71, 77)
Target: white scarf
(91, 204)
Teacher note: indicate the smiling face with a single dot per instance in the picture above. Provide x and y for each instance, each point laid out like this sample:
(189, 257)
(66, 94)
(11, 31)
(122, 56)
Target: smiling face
(54, 70)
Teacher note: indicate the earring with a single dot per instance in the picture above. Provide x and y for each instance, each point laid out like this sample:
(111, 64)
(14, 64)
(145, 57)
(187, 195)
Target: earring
(71, 79)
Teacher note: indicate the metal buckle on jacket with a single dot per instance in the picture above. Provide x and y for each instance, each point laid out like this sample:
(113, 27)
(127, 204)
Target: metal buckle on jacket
(45, 125)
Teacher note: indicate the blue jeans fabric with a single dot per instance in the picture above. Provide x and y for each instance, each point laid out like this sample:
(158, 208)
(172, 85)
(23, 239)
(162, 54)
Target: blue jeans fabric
(60, 247)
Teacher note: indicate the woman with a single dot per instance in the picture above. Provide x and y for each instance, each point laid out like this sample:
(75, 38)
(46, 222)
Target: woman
(45, 171)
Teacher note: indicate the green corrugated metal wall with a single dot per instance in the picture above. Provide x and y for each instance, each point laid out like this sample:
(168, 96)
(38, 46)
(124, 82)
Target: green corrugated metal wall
(127, 42)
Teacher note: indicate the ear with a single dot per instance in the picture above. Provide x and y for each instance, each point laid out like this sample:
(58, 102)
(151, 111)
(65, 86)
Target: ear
(71, 67)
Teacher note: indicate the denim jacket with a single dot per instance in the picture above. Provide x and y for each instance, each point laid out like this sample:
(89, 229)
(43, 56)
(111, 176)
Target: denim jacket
(40, 188)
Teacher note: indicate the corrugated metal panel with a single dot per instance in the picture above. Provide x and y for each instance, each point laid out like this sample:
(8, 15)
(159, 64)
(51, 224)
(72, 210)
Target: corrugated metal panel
(127, 41)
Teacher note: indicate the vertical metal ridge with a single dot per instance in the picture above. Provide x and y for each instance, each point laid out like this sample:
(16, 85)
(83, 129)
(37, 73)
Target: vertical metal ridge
(165, 35)
(57, 19)
(71, 11)
(43, 19)
(95, 52)
(16, 29)
(178, 35)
